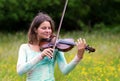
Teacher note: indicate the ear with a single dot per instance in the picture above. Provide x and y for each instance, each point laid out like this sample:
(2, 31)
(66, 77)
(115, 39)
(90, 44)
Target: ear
(35, 30)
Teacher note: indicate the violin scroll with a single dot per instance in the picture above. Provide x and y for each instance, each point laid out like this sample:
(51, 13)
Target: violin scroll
(90, 49)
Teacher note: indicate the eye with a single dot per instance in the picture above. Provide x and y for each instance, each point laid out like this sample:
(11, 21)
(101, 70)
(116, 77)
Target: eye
(44, 28)
(49, 28)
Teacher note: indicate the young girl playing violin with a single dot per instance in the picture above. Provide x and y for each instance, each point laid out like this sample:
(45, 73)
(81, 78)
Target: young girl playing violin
(39, 65)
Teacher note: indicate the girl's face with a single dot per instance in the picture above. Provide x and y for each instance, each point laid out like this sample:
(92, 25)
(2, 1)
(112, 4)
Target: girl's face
(44, 30)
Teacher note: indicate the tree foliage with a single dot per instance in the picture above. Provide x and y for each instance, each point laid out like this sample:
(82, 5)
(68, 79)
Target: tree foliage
(80, 14)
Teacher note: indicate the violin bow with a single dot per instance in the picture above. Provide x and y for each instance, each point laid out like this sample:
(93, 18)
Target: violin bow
(63, 13)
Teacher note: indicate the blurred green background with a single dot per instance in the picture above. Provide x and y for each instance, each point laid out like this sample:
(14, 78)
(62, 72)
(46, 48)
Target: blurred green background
(83, 15)
(98, 21)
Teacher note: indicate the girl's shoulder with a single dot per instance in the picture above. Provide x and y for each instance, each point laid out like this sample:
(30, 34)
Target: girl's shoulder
(24, 45)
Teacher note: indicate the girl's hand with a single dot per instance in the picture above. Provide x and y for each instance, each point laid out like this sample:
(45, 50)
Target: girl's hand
(47, 52)
(81, 44)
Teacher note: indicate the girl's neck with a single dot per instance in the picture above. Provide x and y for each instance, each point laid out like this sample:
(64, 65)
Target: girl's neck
(34, 47)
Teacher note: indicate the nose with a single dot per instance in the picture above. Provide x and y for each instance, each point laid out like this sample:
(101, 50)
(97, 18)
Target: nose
(48, 30)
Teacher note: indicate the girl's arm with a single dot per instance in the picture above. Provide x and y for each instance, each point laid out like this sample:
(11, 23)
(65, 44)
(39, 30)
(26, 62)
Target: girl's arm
(23, 65)
(64, 67)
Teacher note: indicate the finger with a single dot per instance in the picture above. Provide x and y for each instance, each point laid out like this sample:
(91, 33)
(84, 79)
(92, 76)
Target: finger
(79, 40)
(51, 49)
(76, 43)
(84, 41)
(49, 53)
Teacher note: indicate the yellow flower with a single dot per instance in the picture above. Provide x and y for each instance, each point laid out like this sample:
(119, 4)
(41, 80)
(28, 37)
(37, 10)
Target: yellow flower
(106, 79)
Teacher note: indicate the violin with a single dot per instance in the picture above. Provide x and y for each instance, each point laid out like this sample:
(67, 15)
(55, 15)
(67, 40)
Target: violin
(63, 45)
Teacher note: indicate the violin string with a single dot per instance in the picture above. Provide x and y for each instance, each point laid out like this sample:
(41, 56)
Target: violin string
(60, 24)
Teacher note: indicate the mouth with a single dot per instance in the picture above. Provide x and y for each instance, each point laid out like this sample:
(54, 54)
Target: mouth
(46, 35)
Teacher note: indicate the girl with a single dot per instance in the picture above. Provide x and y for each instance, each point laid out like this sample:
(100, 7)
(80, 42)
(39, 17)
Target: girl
(38, 64)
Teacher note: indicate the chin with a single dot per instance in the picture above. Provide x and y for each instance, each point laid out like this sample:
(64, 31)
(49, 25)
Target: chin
(46, 37)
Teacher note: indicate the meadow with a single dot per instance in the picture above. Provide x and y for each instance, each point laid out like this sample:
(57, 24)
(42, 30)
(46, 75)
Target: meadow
(101, 65)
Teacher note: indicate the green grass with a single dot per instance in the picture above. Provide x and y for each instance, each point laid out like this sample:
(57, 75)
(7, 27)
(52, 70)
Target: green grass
(102, 65)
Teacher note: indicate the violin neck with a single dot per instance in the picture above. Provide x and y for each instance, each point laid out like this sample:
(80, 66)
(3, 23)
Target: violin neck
(67, 42)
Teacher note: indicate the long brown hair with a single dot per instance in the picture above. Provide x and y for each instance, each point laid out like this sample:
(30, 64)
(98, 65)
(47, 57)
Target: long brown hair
(38, 19)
